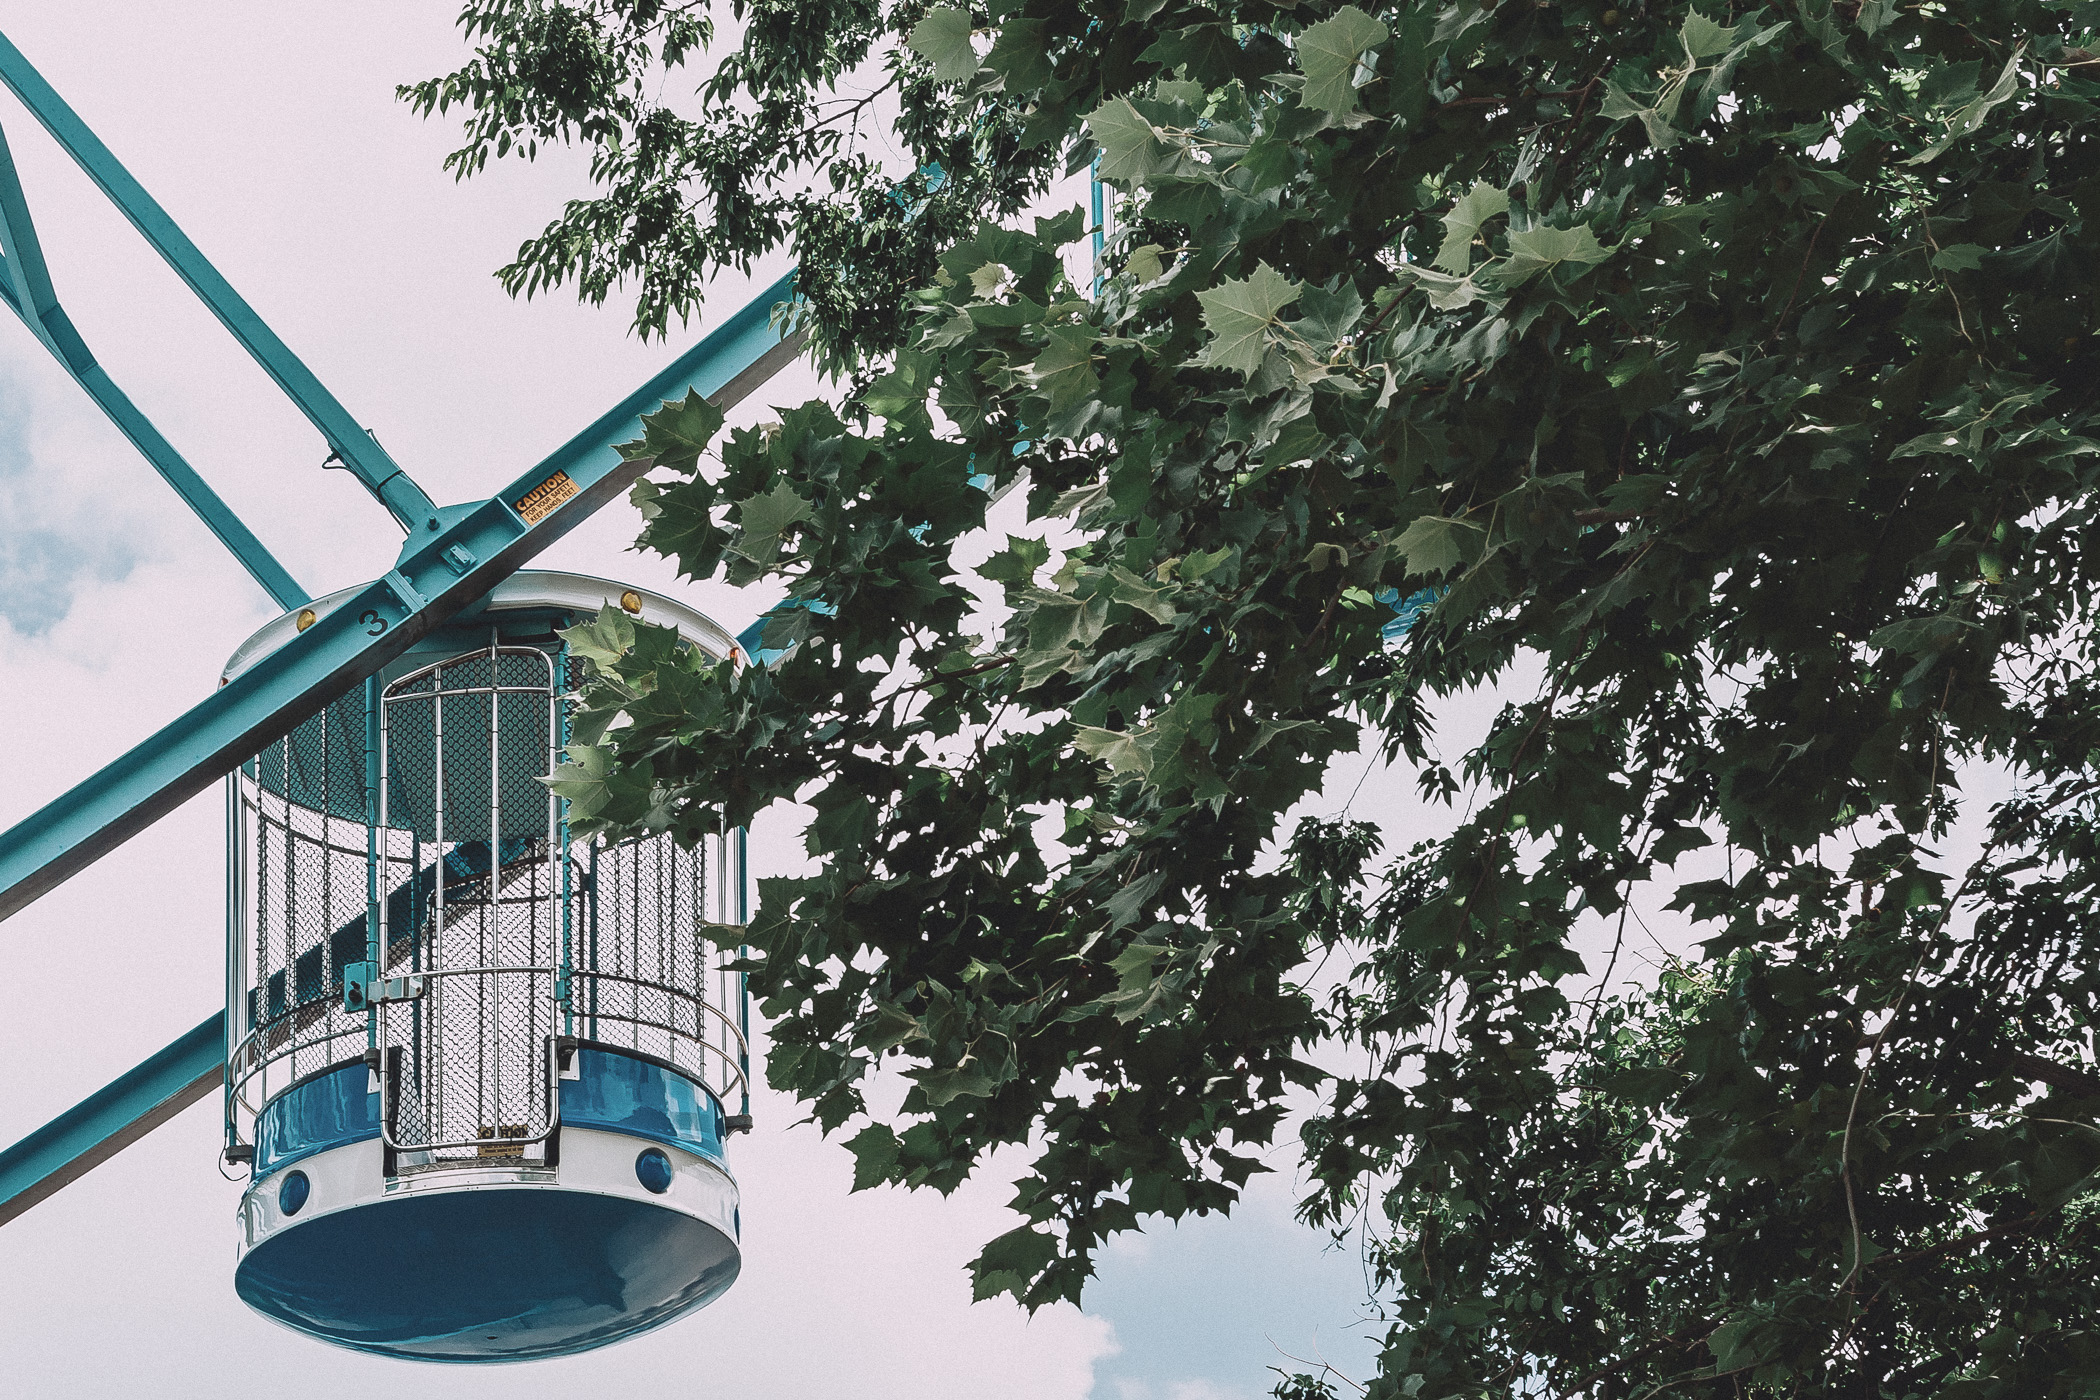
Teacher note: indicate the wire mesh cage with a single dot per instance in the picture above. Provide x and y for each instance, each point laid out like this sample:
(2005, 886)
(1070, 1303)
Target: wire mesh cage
(405, 891)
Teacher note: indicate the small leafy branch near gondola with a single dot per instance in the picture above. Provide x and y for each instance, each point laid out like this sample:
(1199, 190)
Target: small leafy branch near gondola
(1731, 370)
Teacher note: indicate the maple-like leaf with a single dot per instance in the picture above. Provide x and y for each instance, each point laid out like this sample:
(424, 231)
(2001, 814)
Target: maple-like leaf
(1240, 314)
(1329, 53)
(943, 39)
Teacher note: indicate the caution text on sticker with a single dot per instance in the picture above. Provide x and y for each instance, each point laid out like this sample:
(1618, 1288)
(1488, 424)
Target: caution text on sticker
(538, 503)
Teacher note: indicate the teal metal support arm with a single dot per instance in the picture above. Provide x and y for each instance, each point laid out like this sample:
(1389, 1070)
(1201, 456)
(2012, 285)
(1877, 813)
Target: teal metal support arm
(112, 1118)
(364, 457)
(25, 285)
(440, 572)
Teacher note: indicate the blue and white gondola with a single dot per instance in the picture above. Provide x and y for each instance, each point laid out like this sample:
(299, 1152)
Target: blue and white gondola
(607, 1208)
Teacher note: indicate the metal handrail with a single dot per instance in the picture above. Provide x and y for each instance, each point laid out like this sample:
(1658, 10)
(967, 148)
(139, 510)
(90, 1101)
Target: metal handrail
(702, 1001)
(736, 1071)
(239, 1078)
(399, 683)
(387, 1106)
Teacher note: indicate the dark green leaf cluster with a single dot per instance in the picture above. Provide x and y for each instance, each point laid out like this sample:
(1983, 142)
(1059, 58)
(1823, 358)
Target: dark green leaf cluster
(1729, 370)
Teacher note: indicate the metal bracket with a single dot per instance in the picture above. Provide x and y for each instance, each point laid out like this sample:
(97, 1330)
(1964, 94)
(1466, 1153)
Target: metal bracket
(363, 987)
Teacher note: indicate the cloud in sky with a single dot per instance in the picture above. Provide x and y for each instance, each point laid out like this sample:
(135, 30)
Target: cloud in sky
(54, 538)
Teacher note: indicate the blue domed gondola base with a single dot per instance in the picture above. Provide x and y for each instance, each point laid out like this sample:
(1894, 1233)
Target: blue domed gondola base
(489, 1273)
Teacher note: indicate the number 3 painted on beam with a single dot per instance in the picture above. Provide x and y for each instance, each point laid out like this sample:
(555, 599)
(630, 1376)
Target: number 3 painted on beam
(377, 624)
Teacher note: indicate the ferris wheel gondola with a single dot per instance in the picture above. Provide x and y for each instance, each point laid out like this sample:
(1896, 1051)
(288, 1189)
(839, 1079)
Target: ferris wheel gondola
(479, 1068)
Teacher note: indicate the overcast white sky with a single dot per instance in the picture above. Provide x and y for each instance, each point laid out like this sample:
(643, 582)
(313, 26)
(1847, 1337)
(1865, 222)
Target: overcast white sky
(270, 132)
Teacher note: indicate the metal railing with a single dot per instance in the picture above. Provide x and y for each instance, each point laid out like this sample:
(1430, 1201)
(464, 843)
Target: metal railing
(465, 881)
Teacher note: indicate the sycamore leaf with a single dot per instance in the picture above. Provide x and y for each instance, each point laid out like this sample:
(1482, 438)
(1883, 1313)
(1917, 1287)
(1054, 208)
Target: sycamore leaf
(895, 392)
(1123, 907)
(1021, 55)
(1436, 544)
(945, 1085)
(1417, 449)
(1118, 750)
(1017, 563)
(892, 1027)
(943, 39)
(1959, 257)
(1445, 293)
(1064, 371)
(992, 282)
(874, 1150)
(1330, 51)
(1704, 38)
(1462, 226)
(1130, 146)
(842, 824)
(1144, 264)
(603, 640)
(1011, 1262)
(1536, 249)
(1970, 115)
(675, 435)
(1131, 589)
(1239, 314)
(1196, 564)
(591, 780)
(761, 519)
(1324, 316)
(1298, 440)
(1656, 120)
(1057, 624)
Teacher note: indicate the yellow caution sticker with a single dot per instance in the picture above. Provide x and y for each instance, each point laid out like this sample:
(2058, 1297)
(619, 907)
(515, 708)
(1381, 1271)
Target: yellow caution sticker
(539, 503)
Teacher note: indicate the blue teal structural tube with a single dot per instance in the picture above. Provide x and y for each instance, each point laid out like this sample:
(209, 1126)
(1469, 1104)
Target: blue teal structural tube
(743, 952)
(112, 1118)
(440, 572)
(25, 285)
(376, 934)
(1099, 209)
(364, 457)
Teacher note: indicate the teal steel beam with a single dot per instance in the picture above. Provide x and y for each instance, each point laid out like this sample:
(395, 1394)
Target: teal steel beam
(441, 570)
(25, 284)
(363, 456)
(112, 1118)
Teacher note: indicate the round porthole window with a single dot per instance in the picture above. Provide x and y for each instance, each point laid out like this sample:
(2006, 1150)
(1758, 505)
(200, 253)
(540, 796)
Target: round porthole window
(653, 1170)
(292, 1192)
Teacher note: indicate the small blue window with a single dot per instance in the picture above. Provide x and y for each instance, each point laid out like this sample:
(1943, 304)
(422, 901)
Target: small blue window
(292, 1192)
(653, 1170)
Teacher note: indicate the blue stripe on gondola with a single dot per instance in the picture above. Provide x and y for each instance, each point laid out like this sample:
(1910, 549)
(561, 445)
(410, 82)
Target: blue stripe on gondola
(332, 1109)
(621, 1094)
(612, 1092)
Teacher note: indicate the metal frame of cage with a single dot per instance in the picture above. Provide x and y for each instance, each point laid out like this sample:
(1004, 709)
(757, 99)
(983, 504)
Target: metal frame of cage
(606, 944)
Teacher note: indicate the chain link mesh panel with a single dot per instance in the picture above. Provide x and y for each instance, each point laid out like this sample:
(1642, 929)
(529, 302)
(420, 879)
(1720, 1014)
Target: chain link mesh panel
(511, 939)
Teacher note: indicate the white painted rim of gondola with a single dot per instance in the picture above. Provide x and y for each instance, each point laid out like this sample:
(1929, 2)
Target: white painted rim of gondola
(528, 588)
(593, 1162)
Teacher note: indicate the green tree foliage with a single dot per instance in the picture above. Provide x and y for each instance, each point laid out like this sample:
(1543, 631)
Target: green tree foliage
(1729, 372)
